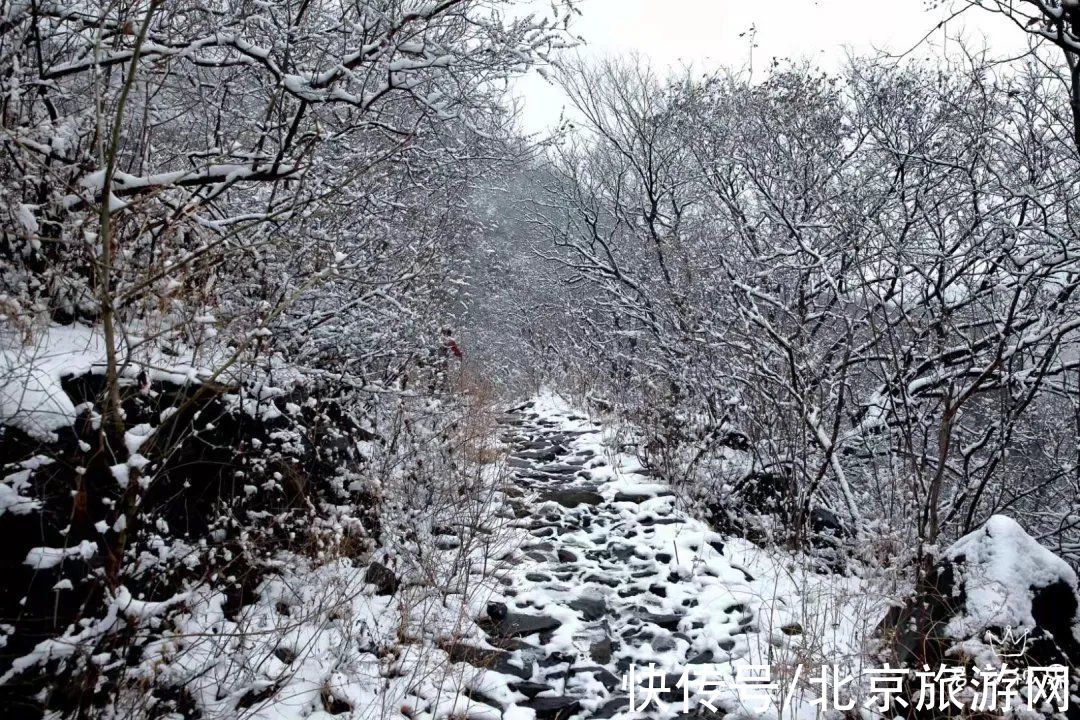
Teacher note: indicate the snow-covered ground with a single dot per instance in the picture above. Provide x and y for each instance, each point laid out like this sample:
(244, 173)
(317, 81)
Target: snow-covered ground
(588, 569)
(31, 396)
(577, 587)
(612, 575)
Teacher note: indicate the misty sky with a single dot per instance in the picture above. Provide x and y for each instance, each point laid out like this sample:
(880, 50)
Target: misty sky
(706, 34)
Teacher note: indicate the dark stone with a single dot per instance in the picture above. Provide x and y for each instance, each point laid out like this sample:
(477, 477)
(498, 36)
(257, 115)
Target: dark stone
(602, 580)
(561, 468)
(663, 643)
(611, 708)
(479, 698)
(542, 477)
(529, 689)
(1054, 608)
(567, 557)
(447, 543)
(516, 624)
(554, 708)
(764, 492)
(643, 632)
(792, 629)
(652, 520)
(735, 440)
(251, 697)
(334, 705)
(557, 658)
(545, 546)
(497, 660)
(600, 651)
(540, 456)
(382, 577)
(666, 621)
(571, 498)
(826, 522)
(603, 675)
(591, 608)
(510, 644)
(285, 655)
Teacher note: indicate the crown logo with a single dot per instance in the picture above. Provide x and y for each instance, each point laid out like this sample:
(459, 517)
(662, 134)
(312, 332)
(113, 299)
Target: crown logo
(1010, 642)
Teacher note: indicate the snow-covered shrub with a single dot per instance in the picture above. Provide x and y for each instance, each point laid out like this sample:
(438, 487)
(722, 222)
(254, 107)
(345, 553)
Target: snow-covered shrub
(846, 272)
(226, 487)
(229, 234)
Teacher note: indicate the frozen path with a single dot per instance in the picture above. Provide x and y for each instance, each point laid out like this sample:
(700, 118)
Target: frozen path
(610, 573)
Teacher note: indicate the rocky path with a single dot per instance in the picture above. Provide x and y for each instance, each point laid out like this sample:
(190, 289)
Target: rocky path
(610, 574)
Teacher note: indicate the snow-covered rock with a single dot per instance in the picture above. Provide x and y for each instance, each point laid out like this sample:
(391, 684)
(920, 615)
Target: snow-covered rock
(1007, 579)
(995, 596)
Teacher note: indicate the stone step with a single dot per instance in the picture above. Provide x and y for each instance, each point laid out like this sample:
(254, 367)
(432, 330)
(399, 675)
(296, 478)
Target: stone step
(605, 561)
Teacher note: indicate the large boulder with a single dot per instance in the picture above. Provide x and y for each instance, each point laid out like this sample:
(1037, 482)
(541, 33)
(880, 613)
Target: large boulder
(995, 596)
(1008, 580)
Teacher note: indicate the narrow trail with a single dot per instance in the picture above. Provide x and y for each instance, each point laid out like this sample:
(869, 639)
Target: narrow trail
(610, 574)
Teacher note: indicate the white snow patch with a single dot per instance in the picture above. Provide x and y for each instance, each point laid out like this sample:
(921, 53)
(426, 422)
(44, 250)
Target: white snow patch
(43, 558)
(11, 498)
(1001, 564)
(31, 395)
